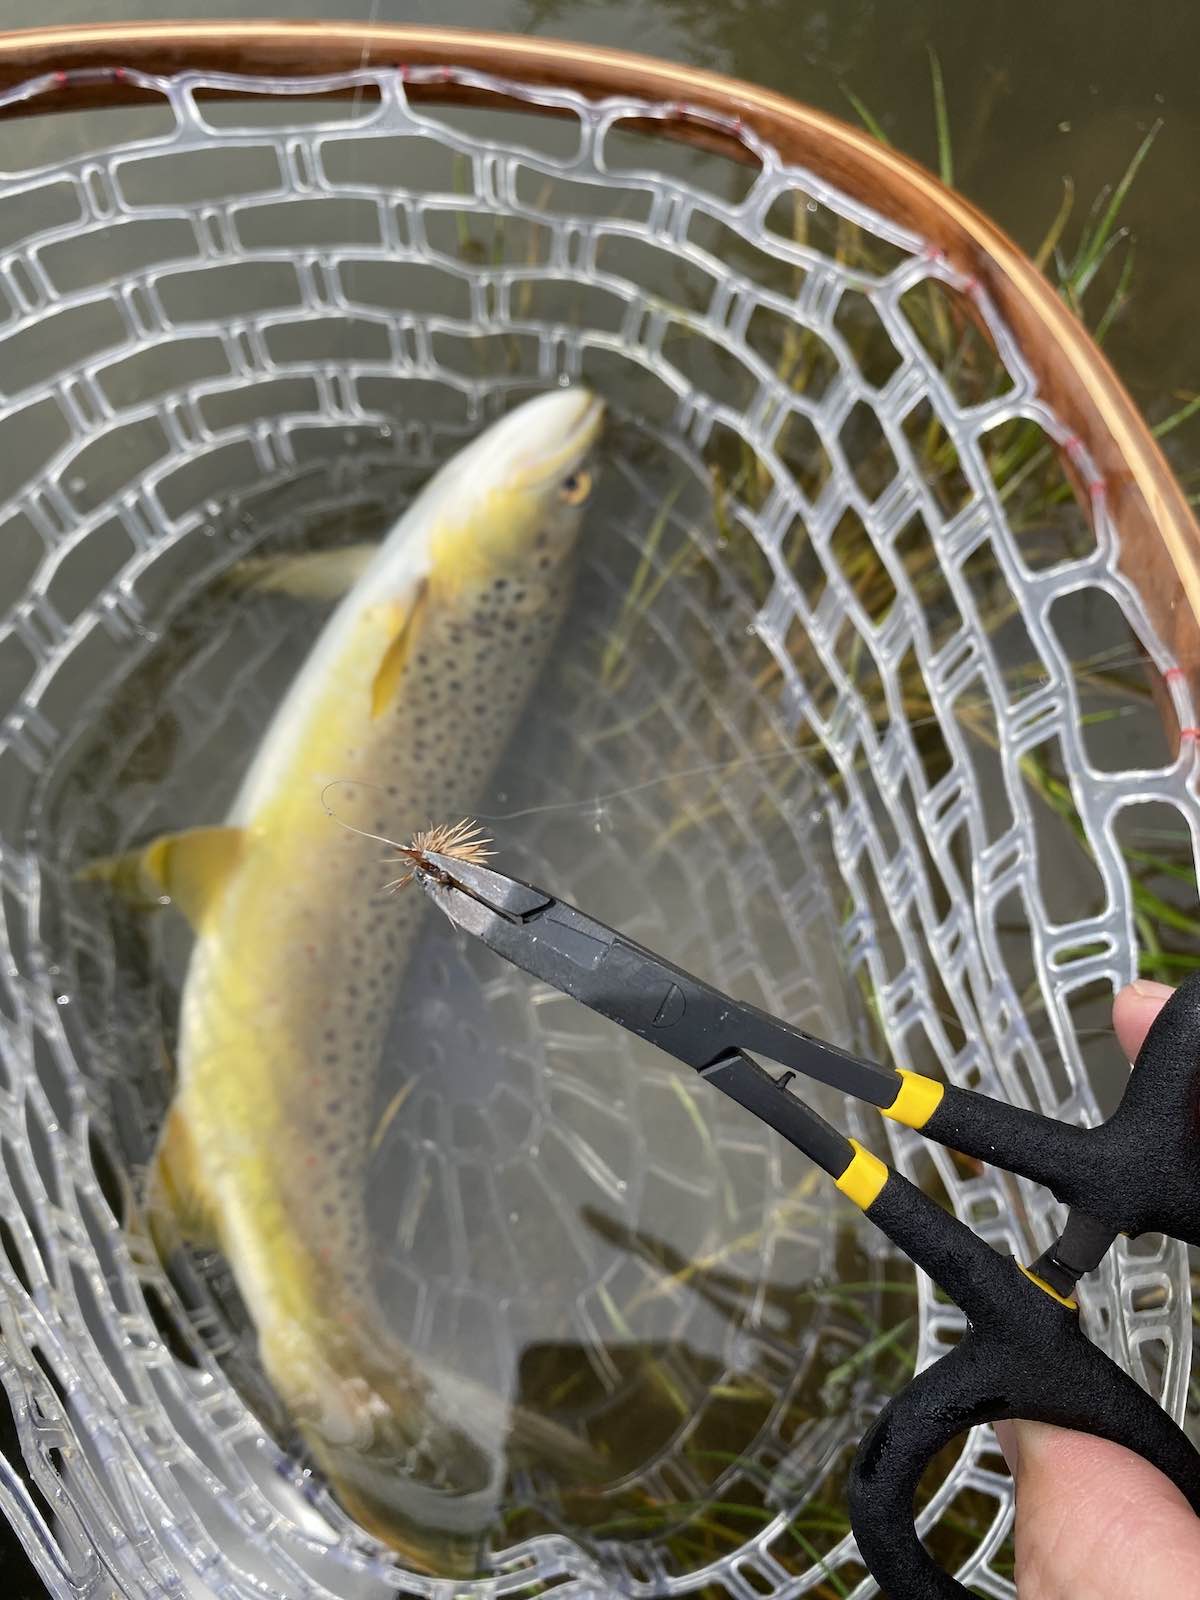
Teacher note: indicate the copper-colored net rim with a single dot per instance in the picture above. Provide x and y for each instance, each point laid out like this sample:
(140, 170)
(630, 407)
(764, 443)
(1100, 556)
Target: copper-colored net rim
(1160, 539)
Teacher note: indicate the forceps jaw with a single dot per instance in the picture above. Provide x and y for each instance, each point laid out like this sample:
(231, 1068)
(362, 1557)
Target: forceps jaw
(508, 897)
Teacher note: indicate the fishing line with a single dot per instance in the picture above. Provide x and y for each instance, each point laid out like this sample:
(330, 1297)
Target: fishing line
(1109, 658)
(707, 769)
(649, 783)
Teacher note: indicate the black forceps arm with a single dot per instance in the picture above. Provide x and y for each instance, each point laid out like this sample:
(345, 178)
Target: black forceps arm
(1024, 1354)
(1133, 1174)
(658, 1001)
(633, 986)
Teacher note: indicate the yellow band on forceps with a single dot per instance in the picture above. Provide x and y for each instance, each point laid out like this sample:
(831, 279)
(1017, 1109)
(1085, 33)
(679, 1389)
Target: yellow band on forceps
(1071, 1305)
(917, 1100)
(863, 1178)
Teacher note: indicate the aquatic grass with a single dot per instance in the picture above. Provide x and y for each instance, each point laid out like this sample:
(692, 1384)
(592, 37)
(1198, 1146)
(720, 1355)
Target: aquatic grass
(900, 1340)
(1100, 234)
(1158, 920)
(644, 588)
(942, 120)
(704, 1134)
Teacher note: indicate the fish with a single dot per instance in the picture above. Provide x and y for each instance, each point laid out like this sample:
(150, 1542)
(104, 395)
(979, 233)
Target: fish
(405, 702)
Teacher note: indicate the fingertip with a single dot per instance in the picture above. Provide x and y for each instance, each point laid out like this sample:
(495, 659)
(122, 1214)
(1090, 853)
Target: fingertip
(1087, 1506)
(1134, 1009)
(1009, 1440)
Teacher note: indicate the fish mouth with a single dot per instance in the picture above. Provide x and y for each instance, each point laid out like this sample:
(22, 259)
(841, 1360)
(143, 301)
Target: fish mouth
(579, 434)
(587, 430)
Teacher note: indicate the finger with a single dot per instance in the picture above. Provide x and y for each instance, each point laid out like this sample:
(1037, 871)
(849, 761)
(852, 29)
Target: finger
(1134, 1009)
(1096, 1522)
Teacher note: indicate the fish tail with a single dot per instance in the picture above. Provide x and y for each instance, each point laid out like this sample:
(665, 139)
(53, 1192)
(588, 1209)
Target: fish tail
(418, 1456)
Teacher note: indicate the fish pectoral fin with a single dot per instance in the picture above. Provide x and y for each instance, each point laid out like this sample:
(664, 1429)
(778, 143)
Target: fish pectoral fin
(190, 869)
(390, 672)
(177, 1204)
(311, 575)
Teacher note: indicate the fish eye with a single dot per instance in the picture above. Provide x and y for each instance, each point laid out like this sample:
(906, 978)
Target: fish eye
(575, 489)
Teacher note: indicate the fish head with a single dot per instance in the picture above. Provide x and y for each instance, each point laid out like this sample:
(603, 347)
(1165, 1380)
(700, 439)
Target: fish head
(512, 503)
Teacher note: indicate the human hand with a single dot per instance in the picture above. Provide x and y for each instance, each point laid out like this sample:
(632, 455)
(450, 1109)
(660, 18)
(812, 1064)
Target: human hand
(1095, 1521)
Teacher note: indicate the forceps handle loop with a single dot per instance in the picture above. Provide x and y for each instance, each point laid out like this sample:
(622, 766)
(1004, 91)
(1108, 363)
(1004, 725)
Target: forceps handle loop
(1024, 1355)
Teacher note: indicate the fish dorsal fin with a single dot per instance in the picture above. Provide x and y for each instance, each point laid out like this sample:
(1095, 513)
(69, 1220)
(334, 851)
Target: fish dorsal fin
(190, 868)
(406, 623)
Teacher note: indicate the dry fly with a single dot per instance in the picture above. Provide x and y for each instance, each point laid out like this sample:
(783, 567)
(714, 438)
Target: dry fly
(463, 841)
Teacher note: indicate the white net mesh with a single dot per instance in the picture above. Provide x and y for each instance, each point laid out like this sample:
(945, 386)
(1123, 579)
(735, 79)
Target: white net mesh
(822, 733)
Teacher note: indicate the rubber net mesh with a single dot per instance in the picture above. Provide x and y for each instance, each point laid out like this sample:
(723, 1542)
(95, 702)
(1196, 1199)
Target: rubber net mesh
(835, 726)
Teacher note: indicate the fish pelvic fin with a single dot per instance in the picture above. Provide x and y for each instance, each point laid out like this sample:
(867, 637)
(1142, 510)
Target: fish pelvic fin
(311, 575)
(390, 672)
(177, 1202)
(190, 869)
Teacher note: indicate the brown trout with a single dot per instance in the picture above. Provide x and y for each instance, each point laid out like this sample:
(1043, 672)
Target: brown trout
(411, 691)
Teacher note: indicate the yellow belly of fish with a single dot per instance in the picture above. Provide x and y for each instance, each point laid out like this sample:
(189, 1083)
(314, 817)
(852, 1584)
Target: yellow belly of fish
(299, 957)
